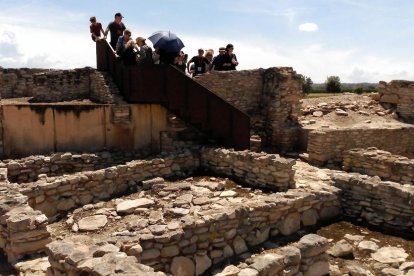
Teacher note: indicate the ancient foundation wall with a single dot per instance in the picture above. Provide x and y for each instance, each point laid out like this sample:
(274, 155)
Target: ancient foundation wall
(268, 171)
(326, 146)
(61, 194)
(41, 129)
(45, 85)
(271, 97)
(375, 162)
(28, 169)
(306, 257)
(399, 93)
(380, 203)
(22, 229)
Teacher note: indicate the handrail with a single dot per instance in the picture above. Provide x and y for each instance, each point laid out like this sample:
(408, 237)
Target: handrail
(188, 99)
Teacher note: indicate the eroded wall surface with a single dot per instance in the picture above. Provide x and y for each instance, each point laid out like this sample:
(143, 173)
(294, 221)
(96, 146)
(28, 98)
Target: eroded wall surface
(270, 96)
(399, 93)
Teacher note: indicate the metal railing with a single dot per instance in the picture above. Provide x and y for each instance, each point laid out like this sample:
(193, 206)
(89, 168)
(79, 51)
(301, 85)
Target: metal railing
(166, 85)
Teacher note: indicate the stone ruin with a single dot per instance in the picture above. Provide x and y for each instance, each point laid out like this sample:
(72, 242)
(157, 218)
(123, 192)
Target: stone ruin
(105, 187)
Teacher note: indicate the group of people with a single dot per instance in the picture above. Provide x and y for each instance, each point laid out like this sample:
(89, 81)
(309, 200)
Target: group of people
(138, 52)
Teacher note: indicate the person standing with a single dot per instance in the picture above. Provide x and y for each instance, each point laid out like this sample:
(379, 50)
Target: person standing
(116, 28)
(201, 64)
(229, 59)
(144, 53)
(96, 29)
(217, 63)
(122, 41)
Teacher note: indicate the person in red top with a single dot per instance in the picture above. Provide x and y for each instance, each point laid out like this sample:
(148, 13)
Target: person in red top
(201, 64)
(96, 29)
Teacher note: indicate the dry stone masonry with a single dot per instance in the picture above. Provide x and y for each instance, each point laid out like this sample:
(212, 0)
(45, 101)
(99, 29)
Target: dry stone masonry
(263, 170)
(375, 162)
(271, 97)
(380, 203)
(30, 168)
(399, 93)
(330, 145)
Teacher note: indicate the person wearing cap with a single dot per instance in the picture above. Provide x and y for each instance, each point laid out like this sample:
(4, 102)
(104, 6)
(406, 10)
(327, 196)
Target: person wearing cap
(217, 63)
(229, 59)
(201, 64)
(116, 28)
(145, 52)
(96, 29)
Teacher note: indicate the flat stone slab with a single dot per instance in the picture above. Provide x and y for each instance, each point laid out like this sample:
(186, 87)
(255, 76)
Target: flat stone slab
(92, 223)
(129, 206)
(389, 255)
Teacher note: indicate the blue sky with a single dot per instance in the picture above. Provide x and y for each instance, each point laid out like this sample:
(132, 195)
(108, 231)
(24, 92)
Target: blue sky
(356, 40)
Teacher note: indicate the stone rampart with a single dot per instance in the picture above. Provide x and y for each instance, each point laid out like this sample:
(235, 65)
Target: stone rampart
(375, 162)
(330, 146)
(262, 170)
(16, 83)
(271, 97)
(28, 169)
(380, 203)
(60, 194)
(399, 93)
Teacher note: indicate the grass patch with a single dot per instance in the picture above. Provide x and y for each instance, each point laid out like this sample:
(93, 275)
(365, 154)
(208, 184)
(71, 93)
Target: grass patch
(321, 95)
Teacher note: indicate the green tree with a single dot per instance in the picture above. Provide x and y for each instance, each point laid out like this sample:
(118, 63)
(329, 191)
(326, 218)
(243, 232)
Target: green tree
(333, 84)
(307, 84)
(359, 90)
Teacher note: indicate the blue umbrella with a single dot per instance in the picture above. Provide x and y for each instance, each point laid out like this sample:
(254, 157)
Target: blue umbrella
(168, 41)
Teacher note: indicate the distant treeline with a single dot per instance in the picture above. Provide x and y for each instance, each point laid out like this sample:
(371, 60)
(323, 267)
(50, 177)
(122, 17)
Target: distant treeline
(359, 88)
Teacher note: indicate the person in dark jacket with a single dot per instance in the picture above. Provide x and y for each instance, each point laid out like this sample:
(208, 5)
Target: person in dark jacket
(129, 55)
(217, 63)
(229, 61)
(116, 28)
(201, 64)
(145, 52)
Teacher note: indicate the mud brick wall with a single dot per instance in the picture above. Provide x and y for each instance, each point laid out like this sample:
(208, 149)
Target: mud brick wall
(373, 161)
(59, 194)
(330, 146)
(271, 97)
(399, 93)
(380, 203)
(262, 170)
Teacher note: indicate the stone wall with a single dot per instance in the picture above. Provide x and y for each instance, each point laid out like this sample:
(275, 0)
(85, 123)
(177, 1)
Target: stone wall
(221, 227)
(306, 257)
(271, 97)
(76, 257)
(330, 146)
(57, 85)
(22, 229)
(380, 203)
(61, 194)
(399, 93)
(268, 171)
(375, 162)
(16, 83)
(28, 169)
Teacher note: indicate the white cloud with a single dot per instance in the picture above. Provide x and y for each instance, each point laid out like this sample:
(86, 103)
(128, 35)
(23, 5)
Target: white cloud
(308, 27)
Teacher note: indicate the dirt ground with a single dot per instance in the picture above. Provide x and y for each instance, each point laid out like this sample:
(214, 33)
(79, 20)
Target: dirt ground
(360, 110)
